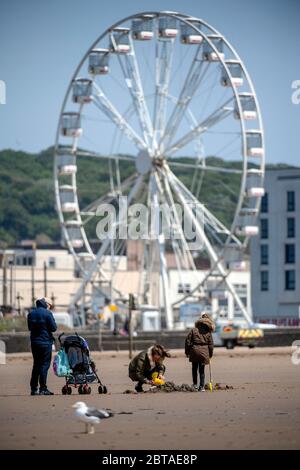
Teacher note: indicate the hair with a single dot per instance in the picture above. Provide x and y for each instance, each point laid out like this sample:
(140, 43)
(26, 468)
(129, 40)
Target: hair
(159, 350)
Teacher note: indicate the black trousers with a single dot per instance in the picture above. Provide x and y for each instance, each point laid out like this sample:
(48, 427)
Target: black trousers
(41, 362)
(201, 367)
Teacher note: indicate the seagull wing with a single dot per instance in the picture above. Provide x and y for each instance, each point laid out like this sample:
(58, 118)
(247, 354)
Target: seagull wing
(98, 413)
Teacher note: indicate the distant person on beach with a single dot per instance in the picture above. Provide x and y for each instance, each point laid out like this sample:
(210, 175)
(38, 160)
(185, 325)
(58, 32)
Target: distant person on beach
(145, 364)
(41, 325)
(199, 347)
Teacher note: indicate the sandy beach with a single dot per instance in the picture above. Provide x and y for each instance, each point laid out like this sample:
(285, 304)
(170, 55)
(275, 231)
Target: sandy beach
(261, 412)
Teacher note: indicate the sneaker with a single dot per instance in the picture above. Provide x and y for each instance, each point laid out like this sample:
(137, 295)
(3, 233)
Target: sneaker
(194, 386)
(201, 389)
(138, 388)
(34, 392)
(46, 392)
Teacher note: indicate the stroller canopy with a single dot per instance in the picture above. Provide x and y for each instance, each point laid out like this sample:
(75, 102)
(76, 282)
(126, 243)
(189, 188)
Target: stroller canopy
(75, 341)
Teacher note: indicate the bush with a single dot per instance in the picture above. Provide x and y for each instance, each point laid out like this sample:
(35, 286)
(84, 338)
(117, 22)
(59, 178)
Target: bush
(13, 324)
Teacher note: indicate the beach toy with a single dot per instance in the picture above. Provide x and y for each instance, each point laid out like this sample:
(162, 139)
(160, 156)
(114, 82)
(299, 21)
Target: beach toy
(156, 380)
(210, 385)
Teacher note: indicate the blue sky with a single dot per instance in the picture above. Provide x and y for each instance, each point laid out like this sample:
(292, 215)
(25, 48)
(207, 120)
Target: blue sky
(41, 43)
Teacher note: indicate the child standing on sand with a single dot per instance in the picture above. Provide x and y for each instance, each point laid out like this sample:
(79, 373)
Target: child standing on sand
(199, 348)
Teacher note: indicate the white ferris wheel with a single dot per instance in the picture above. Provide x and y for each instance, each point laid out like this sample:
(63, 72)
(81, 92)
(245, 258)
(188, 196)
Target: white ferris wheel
(166, 106)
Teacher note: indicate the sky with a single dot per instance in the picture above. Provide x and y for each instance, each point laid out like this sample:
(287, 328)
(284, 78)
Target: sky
(42, 42)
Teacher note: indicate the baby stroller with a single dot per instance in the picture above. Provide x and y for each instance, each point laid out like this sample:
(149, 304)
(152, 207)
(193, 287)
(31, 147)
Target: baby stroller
(73, 362)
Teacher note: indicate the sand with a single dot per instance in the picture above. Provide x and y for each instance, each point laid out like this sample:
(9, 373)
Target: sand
(261, 412)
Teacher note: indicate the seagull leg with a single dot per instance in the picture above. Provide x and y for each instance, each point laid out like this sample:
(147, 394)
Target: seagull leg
(92, 429)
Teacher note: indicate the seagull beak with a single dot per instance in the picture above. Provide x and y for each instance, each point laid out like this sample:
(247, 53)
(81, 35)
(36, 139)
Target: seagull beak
(75, 405)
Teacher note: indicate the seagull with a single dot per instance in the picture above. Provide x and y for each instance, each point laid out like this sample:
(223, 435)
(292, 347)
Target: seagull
(90, 416)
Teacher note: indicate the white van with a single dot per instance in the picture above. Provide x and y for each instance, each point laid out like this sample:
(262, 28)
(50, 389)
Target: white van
(63, 319)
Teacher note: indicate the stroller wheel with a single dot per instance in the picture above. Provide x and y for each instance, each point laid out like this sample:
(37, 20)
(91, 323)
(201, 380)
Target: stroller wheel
(80, 391)
(86, 389)
(69, 390)
(100, 389)
(64, 390)
(104, 389)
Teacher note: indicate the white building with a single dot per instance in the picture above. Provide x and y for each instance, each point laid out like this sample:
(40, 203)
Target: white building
(51, 271)
(275, 252)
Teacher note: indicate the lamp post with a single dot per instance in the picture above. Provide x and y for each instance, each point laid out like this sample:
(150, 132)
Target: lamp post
(131, 307)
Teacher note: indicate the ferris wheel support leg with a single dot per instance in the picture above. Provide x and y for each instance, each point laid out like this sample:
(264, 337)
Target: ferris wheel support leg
(162, 258)
(230, 307)
(211, 252)
(82, 314)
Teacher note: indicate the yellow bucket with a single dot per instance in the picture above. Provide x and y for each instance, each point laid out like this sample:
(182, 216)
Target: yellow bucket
(156, 380)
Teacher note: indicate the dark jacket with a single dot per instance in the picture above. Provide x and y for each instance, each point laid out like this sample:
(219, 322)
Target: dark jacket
(41, 324)
(199, 343)
(141, 368)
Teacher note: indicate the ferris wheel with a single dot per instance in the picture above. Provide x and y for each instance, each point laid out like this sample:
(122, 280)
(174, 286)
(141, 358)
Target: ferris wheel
(165, 105)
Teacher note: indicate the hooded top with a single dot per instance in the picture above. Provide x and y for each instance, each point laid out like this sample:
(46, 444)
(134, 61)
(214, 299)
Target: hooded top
(199, 343)
(41, 324)
(205, 324)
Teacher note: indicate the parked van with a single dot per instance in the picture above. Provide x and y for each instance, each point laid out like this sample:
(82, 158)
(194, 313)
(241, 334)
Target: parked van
(63, 319)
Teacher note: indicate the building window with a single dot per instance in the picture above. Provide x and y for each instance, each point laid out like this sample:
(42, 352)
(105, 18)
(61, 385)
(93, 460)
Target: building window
(264, 203)
(24, 261)
(52, 262)
(264, 254)
(264, 280)
(290, 253)
(290, 201)
(264, 228)
(290, 280)
(184, 288)
(291, 228)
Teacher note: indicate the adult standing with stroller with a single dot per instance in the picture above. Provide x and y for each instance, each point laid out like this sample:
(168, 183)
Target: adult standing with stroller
(199, 348)
(41, 325)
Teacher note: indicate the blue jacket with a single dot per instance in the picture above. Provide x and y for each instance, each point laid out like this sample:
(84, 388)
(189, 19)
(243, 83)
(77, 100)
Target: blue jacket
(41, 324)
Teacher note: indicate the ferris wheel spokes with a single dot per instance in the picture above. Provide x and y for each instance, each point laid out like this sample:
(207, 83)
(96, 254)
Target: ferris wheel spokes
(193, 80)
(106, 106)
(205, 167)
(83, 153)
(164, 52)
(132, 78)
(215, 259)
(212, 223)
(183, 258)
(106, 244)
(90, 210)
(214, 118)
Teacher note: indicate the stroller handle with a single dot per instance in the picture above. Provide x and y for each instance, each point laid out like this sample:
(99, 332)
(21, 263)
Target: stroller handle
(60, 337)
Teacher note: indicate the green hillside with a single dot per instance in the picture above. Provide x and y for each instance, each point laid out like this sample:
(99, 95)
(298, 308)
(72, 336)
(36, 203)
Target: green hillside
(27, 197)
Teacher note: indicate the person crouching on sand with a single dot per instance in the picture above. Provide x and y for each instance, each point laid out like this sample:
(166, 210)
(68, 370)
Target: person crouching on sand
(199, 348)
(145, 364)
